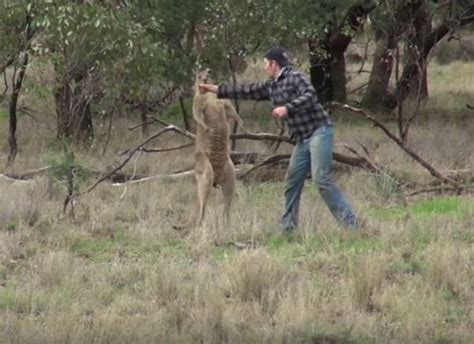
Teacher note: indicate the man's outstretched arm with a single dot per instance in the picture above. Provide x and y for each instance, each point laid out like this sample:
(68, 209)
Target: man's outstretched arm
(255, 91)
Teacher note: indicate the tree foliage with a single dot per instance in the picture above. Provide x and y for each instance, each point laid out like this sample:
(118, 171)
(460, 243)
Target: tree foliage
(135, 51)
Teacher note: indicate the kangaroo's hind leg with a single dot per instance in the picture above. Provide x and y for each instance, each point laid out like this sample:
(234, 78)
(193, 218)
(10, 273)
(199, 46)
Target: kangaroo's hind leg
(228, 187)
(204, 181)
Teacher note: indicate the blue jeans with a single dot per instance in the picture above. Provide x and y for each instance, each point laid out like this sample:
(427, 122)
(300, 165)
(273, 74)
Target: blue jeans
(315, 152)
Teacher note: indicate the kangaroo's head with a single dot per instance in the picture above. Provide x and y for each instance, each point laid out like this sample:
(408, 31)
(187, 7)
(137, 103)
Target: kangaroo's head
(204, 76)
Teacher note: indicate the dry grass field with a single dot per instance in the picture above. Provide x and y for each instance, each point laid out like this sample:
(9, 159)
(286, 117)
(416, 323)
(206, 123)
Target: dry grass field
(120, 273)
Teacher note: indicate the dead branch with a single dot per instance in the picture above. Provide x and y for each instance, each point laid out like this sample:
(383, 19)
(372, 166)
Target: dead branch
(127, 158)
(176, 175)
(28, 175)
(358, 88)
(240, 136)
(179, 130)
(360, 162)
(158, 150)
(262, 137)
(270, 161)
(434, 172)
(246, 157)
(237, 157)
(31, 175)
(343, 159)
(370, 164)
(440, 190)
(13, 179)
(278, 143)
(139, 125)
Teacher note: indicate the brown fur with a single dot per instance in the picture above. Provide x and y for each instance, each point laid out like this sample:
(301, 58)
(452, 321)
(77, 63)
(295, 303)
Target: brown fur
(213, 166)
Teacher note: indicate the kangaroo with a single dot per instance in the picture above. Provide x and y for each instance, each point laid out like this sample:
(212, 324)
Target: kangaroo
(213, 166)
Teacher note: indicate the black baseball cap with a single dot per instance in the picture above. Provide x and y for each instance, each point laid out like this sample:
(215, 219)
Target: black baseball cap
(278, 54)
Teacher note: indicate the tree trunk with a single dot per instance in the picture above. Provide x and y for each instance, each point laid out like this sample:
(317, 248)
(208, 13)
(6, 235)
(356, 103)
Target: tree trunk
(186, 123)
(377, 95)
(326, 56)
(421, 40)
(145, 128)
(338, 77)
(320, 71)
(73, 109)
(413, 81)
(233, 72)
(17, 83)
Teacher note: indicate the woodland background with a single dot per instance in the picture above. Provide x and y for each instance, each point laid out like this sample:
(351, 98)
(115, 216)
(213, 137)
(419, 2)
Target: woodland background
(97, 158)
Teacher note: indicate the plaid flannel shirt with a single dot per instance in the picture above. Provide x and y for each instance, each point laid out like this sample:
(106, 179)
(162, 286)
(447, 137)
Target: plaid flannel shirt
(291, 89)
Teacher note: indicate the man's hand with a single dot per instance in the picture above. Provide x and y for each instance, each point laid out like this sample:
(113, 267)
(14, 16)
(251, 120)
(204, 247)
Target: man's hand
(203, 88)
(279, 112)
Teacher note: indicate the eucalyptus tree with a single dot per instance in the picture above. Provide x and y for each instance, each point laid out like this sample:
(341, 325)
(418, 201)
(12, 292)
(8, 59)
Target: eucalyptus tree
(12, 22)
(171, 75)
(102, 50)
(16, 33)
(326, 27)
(428, 24)
(81, 40)
(415, 26)
(232, 31)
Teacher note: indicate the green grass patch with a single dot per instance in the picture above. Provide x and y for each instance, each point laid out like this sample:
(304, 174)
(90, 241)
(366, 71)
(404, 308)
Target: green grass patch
(345, 336)
(3, 275)
(452, 206)
(440, 206)
(106, 244)
(220, 254)
(408, 266)
(22, 302)
(3, 114)
(461, 235)
(264, 192)
(173, 248)
(290, 249)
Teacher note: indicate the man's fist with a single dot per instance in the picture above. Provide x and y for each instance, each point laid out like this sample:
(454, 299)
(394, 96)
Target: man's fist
(203, 88)
(279, 112)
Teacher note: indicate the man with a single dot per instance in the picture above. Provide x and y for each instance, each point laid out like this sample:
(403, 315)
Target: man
(295, 101)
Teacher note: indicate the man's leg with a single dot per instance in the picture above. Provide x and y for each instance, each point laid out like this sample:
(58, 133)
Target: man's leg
(294, 180)
(321, 144)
